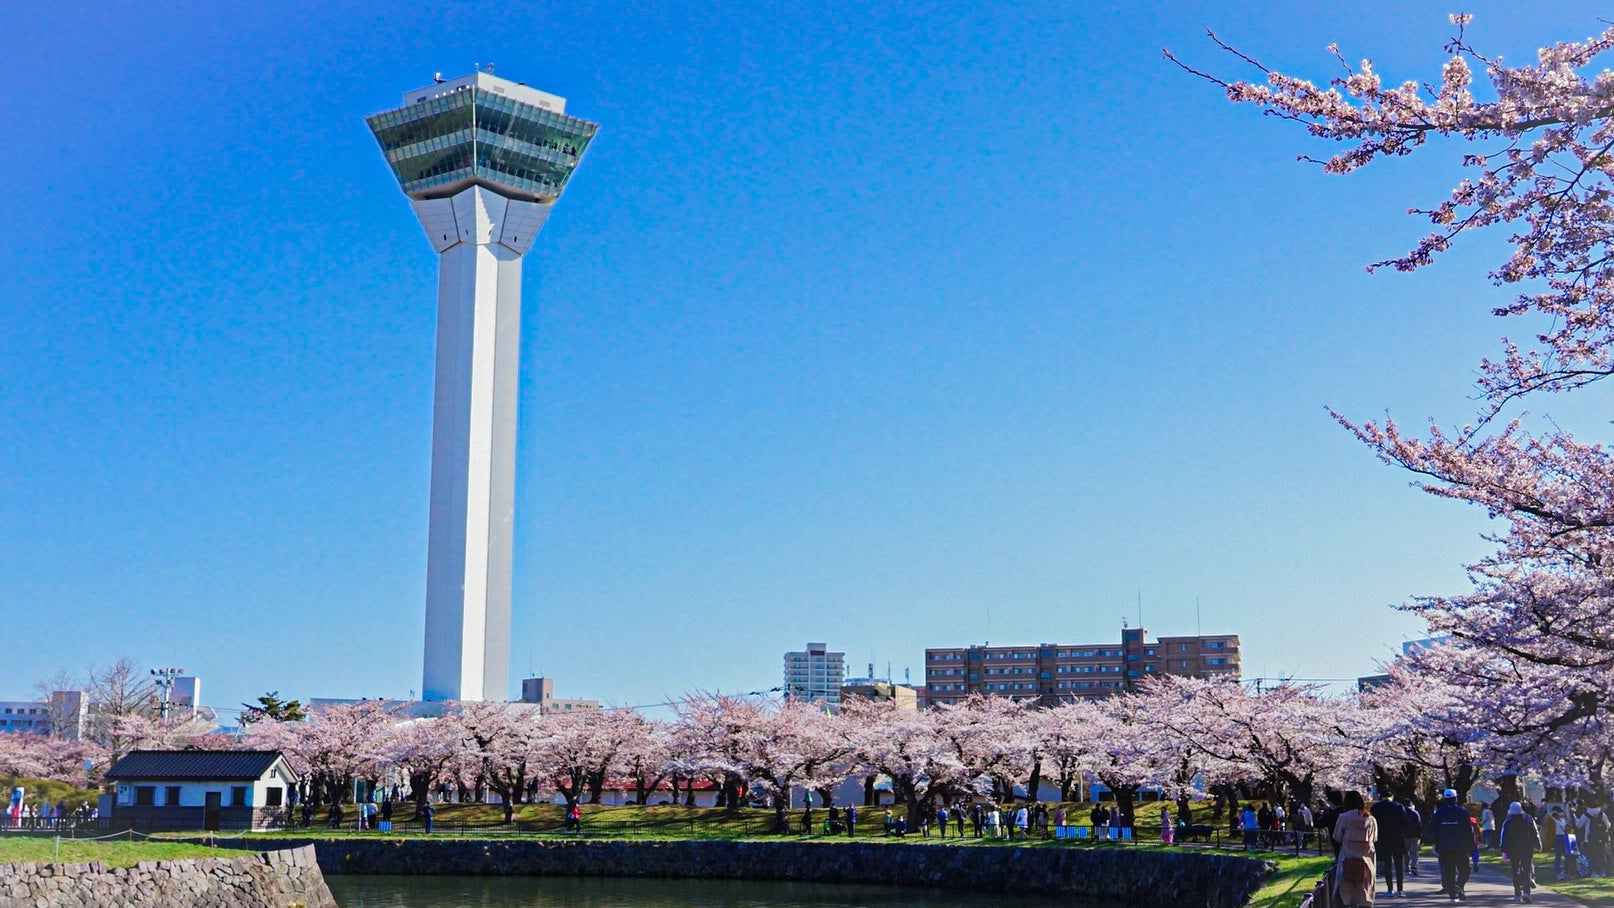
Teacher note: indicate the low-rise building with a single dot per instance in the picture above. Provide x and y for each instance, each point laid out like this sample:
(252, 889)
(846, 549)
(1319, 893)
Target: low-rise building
(201, 789)
(63, 714)
(25, 716)
(1052, 673)
(873, 689)
(542, 692)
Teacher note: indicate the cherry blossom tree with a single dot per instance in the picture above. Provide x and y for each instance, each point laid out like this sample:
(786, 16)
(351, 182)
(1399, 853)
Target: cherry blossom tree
(993, 738)
(906, 747)
(774, 747)
(575, 752)
(1416, 732)
(1286, 740)
(628, 744)
(136, 731)
(504, 738)
(1067, 746)
(33, 756)
(1535, 638)
(1181, 767)
(647, 757)
(332, 748)
(1129, 751)
(423, 749)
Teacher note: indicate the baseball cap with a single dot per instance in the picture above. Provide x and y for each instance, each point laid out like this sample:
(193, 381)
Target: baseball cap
(1449, 793)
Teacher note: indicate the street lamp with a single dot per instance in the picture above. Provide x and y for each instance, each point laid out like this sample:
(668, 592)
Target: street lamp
(165, 682)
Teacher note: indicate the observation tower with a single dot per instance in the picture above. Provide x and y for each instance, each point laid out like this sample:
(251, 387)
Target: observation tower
(483, 160)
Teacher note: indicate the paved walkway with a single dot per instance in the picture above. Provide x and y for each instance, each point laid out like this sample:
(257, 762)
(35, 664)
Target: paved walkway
(1488, 887)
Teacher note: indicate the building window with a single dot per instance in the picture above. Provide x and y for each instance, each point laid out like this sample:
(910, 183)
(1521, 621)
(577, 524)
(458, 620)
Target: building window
(272, 796)
(145, 795)
(1214, 644)
(171, 797)
(238, 796)
(1218, 661)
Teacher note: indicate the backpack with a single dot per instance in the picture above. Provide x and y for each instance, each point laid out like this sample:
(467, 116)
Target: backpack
(1597, 830)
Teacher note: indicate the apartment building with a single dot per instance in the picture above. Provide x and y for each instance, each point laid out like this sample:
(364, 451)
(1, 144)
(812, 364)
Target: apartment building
(815, 675)
(1052, 673)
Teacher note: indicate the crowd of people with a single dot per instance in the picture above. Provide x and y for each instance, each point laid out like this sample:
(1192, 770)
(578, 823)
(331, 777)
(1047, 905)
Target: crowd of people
(983, 821)
(46, 815)
(1383, 841)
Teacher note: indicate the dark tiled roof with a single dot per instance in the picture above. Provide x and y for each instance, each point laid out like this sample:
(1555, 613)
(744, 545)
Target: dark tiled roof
(178, 765)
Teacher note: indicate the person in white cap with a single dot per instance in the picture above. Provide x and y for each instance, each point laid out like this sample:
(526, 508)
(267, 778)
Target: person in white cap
(1451, 830)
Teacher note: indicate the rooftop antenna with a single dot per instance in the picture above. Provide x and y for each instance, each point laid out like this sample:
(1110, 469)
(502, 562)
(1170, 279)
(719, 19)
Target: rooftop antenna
(907, 677)
(1124, 625)
(438, 78)
(1140, 608)
(988, 624)
(490, 69)
(1199, 623)
(888, 669)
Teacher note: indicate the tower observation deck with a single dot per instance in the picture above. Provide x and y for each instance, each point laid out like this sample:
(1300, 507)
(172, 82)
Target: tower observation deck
(483, 160)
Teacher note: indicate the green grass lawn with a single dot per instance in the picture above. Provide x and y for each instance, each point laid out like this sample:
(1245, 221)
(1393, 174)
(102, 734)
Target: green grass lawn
(1587, 891)
(1294, 880)
(18, 849)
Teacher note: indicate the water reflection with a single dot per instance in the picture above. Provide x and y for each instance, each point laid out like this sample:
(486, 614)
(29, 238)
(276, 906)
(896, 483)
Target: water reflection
(589, 892)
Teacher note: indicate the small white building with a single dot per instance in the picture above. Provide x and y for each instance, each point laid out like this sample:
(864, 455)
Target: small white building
(201, 789)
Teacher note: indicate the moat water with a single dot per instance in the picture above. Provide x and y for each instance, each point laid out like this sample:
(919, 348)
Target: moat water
(594, 892)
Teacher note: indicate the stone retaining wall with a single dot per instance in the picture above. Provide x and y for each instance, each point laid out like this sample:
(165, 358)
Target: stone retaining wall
(1149, 877)
(276, 879)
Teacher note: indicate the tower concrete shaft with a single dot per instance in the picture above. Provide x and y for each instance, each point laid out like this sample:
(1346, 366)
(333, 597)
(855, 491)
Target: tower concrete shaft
(483, 161)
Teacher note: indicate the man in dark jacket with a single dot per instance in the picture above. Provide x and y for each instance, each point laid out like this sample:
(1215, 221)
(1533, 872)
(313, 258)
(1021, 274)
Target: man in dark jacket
(1328, 818)
(1451, 831)
(1392, 836)
(1414, 831)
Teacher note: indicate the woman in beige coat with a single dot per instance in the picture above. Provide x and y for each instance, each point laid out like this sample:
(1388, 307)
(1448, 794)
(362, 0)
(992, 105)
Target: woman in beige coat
(1357, 834)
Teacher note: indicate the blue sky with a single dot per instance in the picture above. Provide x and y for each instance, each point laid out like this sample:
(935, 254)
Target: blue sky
(894, 328)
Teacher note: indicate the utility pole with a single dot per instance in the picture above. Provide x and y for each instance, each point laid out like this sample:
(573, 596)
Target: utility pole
(165, 683)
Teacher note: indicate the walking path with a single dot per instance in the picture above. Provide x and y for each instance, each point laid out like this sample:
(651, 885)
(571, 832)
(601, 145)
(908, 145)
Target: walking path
(1489, 887)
